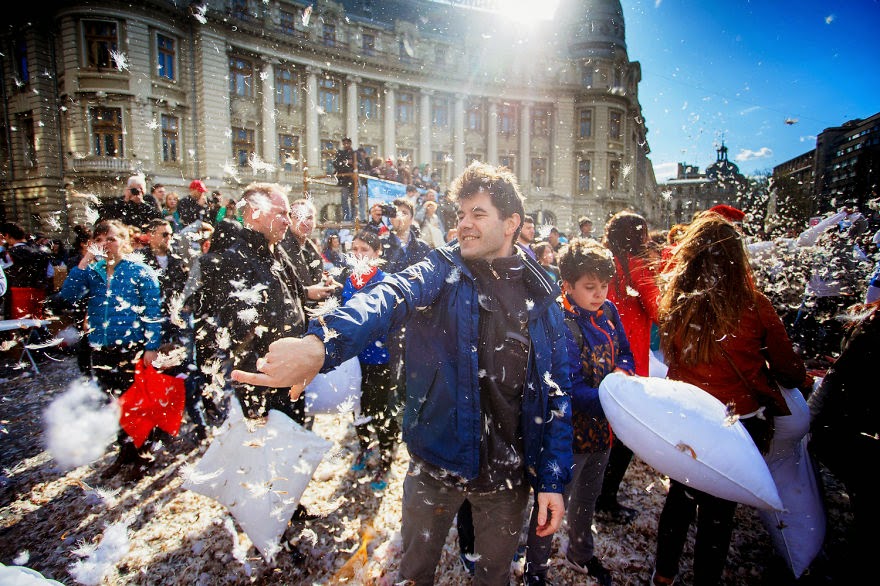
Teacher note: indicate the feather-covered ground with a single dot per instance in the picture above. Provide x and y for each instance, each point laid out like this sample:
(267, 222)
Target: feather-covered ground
(179, 537)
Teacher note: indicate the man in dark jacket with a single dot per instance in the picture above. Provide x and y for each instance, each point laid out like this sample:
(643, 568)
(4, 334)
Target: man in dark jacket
(257, 298)
(130, 209)
(194, 207)
(304, 254)
(487, 407)
(403, 248)
(344, 165)
(172, 272)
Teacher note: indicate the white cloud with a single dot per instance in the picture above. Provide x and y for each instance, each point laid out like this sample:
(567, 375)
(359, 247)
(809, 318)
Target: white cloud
(665, 171)
(808, 138)
(749, 155)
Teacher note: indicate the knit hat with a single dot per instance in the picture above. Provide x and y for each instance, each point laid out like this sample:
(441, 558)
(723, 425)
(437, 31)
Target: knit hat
(729, 213)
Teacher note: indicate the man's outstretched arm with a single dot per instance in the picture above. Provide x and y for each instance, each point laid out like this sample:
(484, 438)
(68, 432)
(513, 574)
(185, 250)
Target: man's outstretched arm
(290, 362)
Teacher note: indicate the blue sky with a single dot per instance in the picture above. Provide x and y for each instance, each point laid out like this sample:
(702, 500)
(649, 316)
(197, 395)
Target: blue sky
(740, 69)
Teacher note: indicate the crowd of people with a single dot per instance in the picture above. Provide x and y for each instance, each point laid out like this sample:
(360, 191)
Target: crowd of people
(482, 340)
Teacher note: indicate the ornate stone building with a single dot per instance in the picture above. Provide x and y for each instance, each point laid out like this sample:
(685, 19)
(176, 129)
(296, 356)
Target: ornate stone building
(692, 191)
(235, 90)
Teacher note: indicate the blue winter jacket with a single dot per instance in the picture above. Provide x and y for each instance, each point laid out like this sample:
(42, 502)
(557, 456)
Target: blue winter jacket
(125, 311)
(600, 348)
(437, 301)
(377, 352)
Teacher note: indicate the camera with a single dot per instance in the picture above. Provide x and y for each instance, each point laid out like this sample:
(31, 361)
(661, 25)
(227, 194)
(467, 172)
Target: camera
(135, 191)
(389, 210)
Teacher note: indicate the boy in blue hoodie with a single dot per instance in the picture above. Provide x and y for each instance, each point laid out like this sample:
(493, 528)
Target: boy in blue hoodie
(597, 346)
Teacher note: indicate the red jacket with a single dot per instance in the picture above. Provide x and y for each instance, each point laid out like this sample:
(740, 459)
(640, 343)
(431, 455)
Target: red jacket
(759, 342)
(637, 306)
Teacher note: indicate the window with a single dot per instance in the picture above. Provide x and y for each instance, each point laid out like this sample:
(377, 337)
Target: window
(165, 56)
(241, 77)
(328, 35)
(328, 95)
(170, 138)
(371, 150)
(107, 131)
(540, 122)
(583, 176)
(508, 161)
(587, 76)
(288, 151)
(287, 22)
(368, 102)
(243, 145)
(507, 119)
(286, 86)
(539, 172)
(406, 111)
(439, 112)
(441, 161)
(618, 77)
(29, 138)
(585, 123)
(20, 63)
(368, 44)
(328, 153)
(440, 52)
(405, 50)
(614, 126)
(614, 176)
(100, 42)
(240, 9)
(474, 117)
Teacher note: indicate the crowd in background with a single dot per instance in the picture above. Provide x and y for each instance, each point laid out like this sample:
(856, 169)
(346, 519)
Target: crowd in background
(217, 279)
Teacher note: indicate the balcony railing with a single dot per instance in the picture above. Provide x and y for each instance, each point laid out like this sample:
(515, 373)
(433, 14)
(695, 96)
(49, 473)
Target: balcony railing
(93, 164)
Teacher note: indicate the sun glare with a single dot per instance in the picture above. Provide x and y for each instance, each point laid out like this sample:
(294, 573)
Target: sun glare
(528, 10)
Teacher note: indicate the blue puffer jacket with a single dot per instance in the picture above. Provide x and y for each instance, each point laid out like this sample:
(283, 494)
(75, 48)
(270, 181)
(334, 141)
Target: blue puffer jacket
(600, 348)
(124, 311)
(377, 352)
(437, 301)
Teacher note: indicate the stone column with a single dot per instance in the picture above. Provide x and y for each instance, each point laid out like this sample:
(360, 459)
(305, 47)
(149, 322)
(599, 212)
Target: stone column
(492, 133)
(351, 110)
(313, 143)
(270, 136)
(525, 148)
(425, 127)
(390, 120)
(458, 135)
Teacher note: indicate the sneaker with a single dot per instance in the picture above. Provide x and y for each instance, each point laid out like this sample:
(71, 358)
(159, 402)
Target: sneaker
(593, 568)
(468, 564)
(616, 513)
(360, 462)
(535, 580)
(379, 482)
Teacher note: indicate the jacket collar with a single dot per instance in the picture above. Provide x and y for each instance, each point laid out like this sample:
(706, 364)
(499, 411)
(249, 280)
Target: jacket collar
(541, 290)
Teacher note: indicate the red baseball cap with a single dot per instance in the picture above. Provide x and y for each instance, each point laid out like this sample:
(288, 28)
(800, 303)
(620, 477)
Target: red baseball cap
(197, 184)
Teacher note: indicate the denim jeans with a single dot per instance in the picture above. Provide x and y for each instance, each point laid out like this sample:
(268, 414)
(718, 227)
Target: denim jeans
(347, 203)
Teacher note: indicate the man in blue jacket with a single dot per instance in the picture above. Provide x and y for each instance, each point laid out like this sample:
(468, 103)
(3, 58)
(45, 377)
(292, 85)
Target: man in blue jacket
(487, 408)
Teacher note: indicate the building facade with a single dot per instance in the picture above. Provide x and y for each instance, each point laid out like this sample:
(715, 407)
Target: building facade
(232, 91)
(844, 168)
(692, 191)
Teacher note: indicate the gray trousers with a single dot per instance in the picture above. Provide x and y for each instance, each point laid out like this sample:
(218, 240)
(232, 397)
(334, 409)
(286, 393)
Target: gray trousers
(430, 505)
(580, 504)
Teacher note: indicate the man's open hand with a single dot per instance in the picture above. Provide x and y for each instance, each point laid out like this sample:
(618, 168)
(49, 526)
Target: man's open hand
(290, 362)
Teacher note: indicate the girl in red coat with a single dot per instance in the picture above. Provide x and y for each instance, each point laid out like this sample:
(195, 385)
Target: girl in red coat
(720, 334)
(634, 291)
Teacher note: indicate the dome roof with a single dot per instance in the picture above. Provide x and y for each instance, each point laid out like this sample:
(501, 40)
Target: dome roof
(722, 169)
(596, 28)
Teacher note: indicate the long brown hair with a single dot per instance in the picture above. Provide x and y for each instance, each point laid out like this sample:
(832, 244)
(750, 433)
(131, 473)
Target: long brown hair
(708, 289)
(626, 235)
